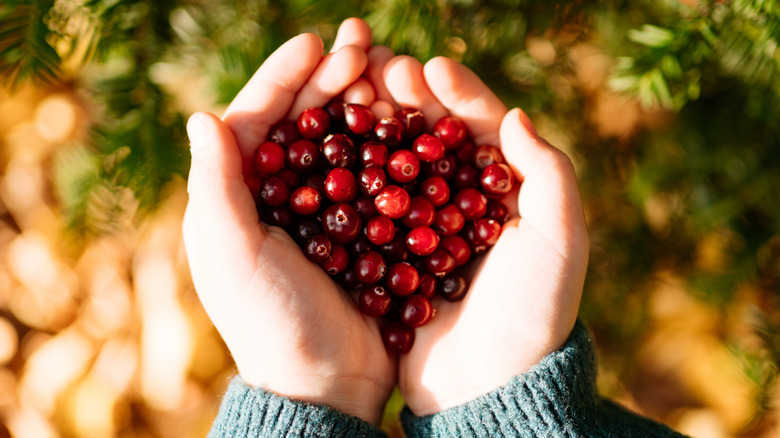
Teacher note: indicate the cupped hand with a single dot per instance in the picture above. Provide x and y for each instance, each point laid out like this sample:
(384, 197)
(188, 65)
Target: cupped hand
(288, 326)
(524, 295)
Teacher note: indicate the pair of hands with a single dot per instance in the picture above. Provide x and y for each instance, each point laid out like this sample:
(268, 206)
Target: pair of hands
(289, 327)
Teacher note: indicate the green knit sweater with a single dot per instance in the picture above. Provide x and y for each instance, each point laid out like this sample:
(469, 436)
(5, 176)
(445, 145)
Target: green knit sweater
(555, 398)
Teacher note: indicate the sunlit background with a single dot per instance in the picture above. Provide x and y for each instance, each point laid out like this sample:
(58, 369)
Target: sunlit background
(670, 110)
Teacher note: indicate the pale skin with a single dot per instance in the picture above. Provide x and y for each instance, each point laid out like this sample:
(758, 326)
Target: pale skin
(292, 330)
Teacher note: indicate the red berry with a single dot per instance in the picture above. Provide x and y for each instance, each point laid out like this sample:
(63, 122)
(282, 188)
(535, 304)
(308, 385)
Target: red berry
(453, 287)
(496, 180)
(372, 180)
(284, 133)
(413, 122)
(359, 118)
(279, 216)
(305, 228)
(421, 213)
(465, 153)
(303, 156)
(389, 131)
(443, 167)
(472, 203)
(339, 150)
(337, 262)
(370, 267)
(341, 222)
(254, 183)
(451, 130)
(436, 190)
(402, 279)
(439, 262)
(335, 109)
(497, 210)
(365, 206)
(274, 192)
(397, 337)
(374, 301)
(485, 155)
(318, 248)
(392, 202)
(465, 176)
(458, 248)
(305, 200)
(416, 311)
(487, 231)
(395, 251)
(346, 279)
(314, 123)
(359, 246)
(428, 285)
(449, 220)
(422, 240)
(290, 177)
(470, 235)
(269, 158)
(428, 148)
(341, 185)
(403, 166)
(380, 230)
(373, 153)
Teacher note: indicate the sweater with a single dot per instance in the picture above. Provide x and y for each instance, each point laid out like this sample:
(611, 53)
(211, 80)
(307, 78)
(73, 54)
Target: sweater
(555, 398)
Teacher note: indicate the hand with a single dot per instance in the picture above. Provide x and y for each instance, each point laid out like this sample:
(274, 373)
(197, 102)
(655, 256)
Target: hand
(525, 294)
(290, 329)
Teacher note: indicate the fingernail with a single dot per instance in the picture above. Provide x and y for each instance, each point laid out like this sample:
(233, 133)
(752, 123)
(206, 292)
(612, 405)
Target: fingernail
(527, 123)
(198, 130)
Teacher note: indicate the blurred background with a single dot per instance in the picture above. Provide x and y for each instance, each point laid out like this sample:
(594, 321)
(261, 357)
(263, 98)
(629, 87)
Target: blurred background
(670, 110)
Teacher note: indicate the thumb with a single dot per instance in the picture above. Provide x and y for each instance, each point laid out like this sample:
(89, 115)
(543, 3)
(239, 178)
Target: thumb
(549, 199)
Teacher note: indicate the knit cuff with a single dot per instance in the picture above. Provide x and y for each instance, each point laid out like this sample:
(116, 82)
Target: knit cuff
(556, 397)
(253, 412)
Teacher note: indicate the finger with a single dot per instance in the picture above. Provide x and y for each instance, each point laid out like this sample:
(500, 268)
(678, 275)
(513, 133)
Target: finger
(378, 58)
(382, 108)
(360, 92)
(335, 73)
(352, 32)
(465, 95)
(404, 79)
(549, 199)
(268, 95)
(221, 219)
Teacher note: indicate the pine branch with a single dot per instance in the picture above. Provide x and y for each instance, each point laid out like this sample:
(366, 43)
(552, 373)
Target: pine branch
(25, 52)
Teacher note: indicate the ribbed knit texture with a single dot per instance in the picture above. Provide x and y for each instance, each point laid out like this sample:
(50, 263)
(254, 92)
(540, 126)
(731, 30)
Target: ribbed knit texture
(254, 412)
(555, 398)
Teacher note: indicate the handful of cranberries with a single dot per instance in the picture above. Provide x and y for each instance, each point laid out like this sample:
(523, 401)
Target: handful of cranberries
(390, 211)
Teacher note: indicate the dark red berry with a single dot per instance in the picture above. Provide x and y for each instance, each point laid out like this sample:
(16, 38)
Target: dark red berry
(487, 231)
(451, 130)
(284, 133)
(458, 248)
(497, 210)
(337, 262)
(465, 153)
(305, 200)
(346, 279)
(373, 154)
(314, 123)
(470, 235)
(413, 121)
(428, 285)
(403, 166)
(305, 228)
(341, 185)
(290, 177)
(439, 262)
(274, 192)
(395, 251)
(365, 206)
(392, 202)
(397, 337)
(380, 230)
(335, 109)
(359, 118)
(453, 287)
(269, 158)
(421, 213)
(339, 150)
(402, 279)
(316, 181)
(449, 220)
(428, 148)
(485, 155)
(472, 203)
(372, 180)
(496, 180)
(303, 156)
(416, 311)
(443, 167)
(279, 216)
(360, 245)
(436, 190)
(341, 222)
(370, 267)
(422, 240)
(465, 176)
(390, 131)
(374, 301)
(318, 248)
(254, 183)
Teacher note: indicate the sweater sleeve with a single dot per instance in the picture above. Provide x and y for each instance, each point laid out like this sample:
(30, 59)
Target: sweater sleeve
(253, 412)
(555, 398)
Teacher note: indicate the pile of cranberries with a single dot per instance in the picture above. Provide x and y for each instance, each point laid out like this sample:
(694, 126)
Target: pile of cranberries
(390, 211)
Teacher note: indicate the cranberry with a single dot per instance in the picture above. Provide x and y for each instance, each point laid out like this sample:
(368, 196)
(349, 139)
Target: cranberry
(339, 150)
(274, 192)
(439, 262)
(402, 279)
(284, 133)
(279, 216)
(373, 153)
(496, 180)
(347, 280)
(465, 153)
(449, 220)
(417, 310)
(335, 109)
(318, 248)
(370, 267)
(390, 131)
(465, 176)
(314, 123)
(403, 166)
(269, 158)
(427, 285)
(305, 228)
(485, 155)
(395, 251)
(421, 213)
(453, 287)
(303, 156)
(360, 245)
(365, 206)
(289, 177)
(428, 148)
(472, 203)
(316, 181)
(458, 248)
(341, 222)
(451, 130)
(372, 180)
(470, 235)
(374, 301)
(337, 262)
(443, 167)
(254, 183)
(498, 211)
(341, 185)
(422, 240)
(392, 201)
(436, 190)
(397, 337)
(486, 231)
(380, 230)
(413, 121)
(305, 200)
(359, 118)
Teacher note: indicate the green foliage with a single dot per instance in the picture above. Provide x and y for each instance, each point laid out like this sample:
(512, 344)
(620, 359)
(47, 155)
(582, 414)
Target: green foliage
(25, 51)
